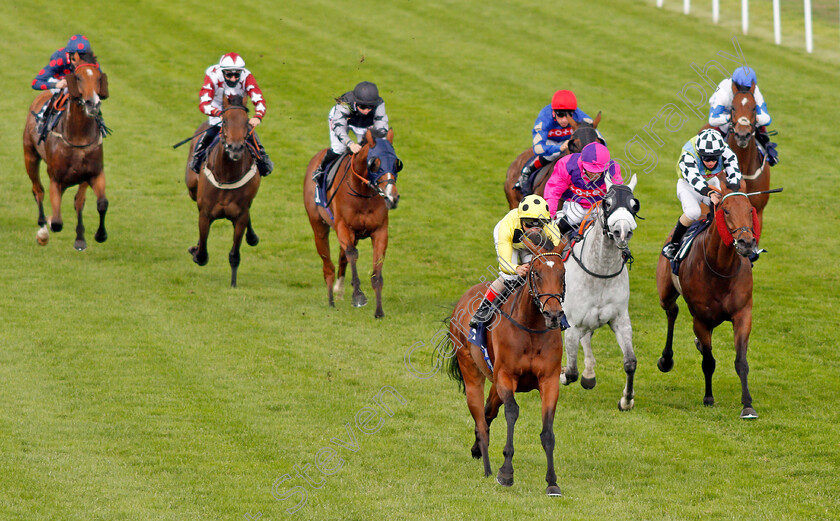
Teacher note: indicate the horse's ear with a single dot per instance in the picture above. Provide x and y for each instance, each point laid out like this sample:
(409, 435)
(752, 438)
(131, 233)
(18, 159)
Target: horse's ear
(752, 88)
(596, 120)
(72, 85)
(369, 138)
(632, 184)
(103, 86)
(573, 124)
(225, 102)
(734, 88)
(608, 179)
(573, 146)
(390, 136)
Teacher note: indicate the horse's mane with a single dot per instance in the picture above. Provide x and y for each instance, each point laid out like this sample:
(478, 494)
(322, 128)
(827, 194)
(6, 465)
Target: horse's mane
(88, 57)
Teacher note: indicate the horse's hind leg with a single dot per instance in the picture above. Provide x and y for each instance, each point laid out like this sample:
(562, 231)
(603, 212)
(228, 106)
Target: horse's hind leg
(321, 231)
(491, 410)
(79, 205)
(572, 341)
(32, 162)
(668, 301)
(239, 226)
(379, 238)
(338, 286)
(624, 335)
(505, 386)
(98, 186)
(474, 387)
(56, 191)
(703, 341)
(742, 324)
(251, 236)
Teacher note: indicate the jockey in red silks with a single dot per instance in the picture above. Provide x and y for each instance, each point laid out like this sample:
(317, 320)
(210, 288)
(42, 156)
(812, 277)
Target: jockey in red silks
(579, 181)
(227, 79)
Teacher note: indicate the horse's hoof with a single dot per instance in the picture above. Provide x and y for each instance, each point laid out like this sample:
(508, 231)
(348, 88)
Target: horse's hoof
(625, 405)
(587, 383)
(56, 226)
(505, 481)
(553, 491)
(476, 452)
(80, 245)
(379, 314)
(665, 365)
(101, 237)
(359, 300)
(708, 401)
(568, 377)
(749, 414)
(252, 239)
(43, 235)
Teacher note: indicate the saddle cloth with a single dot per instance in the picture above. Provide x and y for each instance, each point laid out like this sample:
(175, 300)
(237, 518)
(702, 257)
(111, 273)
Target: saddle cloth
(688, 241)
(326, 181)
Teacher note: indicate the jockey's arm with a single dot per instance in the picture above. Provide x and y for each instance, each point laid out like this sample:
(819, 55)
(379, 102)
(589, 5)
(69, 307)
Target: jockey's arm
(504, 248)
(205, 98)
(730, 166)
(380, 118)
(556, 186)
(691, 173)
(762, 117)
(720, 104)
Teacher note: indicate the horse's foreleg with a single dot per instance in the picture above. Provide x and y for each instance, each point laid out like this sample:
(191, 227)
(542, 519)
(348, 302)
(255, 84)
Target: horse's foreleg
(251, 236)
(56, 191)
(548, 397)
(348, 241)
(703, 341)
(79, 205)
(98, 186)
(572, 341)
(239, 226)
(742, 325)
(491, 410)
(587, 378)
(624, 335)
(199, 251)
(338, 286)
(380, 243)
(505, 386)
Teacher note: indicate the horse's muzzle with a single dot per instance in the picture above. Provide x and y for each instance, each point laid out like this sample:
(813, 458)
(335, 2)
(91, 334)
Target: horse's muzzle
(392, 202)
(235, 151)
(745, 247)
(555, 319)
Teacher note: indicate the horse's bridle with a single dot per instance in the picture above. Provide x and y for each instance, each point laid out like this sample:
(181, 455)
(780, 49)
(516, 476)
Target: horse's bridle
(391, 179)
(743, 229)
(533, 291)
(224, 141)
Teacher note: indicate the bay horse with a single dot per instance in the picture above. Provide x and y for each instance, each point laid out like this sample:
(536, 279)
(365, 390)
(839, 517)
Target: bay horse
(584, 133)
(525, 352)
(755, 170)
(364, 191)
(72, 152)
(715, 280)
(598, 286)
(228, 183)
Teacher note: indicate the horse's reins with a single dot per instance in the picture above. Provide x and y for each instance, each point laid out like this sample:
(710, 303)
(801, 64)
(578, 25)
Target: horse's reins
(626, 256)
(741, 230)
(536, 298)
(248, 175)
(78, 99)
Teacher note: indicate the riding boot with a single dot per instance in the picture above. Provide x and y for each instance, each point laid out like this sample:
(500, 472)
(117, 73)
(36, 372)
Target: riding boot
(566, 229)
(670, 249)
(523, 185)
(264, 163)
(763, 139)
(201, 148)
(485, 310)
(44, 116)
(329, 157)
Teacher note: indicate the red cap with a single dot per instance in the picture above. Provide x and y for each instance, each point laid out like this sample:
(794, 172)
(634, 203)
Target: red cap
(563, 100)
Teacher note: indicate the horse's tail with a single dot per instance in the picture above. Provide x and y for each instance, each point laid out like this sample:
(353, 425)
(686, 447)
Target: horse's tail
(445, 352)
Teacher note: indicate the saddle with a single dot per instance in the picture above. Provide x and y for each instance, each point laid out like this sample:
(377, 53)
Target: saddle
(326, 181)
(687, 241)
(50, 115)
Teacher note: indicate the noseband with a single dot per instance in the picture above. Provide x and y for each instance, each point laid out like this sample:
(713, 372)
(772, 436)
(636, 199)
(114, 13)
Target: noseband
(535, 295)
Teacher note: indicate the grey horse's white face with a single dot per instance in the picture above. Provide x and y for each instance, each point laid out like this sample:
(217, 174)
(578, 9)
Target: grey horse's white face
(621, 207)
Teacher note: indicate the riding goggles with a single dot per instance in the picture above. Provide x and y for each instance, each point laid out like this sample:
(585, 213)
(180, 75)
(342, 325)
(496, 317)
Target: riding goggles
(563, 113)
(531, 223)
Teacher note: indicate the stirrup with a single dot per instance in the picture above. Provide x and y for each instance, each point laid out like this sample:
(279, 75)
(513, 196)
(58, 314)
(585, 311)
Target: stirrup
(670, 250)
(316, 175)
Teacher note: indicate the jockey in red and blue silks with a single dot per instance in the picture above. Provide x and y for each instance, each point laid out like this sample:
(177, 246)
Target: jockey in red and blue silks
(62, 62)
(720, 109)
(578, 180)
(552, 132)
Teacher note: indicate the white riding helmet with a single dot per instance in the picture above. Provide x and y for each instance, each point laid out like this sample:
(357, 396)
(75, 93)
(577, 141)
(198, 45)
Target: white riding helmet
(231, 62)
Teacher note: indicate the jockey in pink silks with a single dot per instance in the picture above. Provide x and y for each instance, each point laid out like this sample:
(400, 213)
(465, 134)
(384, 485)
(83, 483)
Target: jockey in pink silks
(578, 180)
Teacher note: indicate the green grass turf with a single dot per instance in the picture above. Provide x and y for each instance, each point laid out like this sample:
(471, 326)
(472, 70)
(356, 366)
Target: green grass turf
(135, 385)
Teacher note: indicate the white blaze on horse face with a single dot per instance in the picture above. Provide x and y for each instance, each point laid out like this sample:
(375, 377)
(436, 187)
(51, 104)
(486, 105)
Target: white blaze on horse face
(550, 264)
(744, 101)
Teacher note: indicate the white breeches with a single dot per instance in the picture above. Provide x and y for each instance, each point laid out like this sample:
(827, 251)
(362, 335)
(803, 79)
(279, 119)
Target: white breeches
(691, 199)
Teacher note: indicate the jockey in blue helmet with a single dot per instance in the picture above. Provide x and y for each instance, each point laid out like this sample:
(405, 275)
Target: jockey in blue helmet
(744, 78)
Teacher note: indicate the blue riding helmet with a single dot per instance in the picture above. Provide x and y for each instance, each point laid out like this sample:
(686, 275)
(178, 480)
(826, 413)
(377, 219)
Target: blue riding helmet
(78, 43)
(744, 76)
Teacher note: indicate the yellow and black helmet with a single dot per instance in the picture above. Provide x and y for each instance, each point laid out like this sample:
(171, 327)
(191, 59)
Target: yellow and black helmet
(534, 207)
